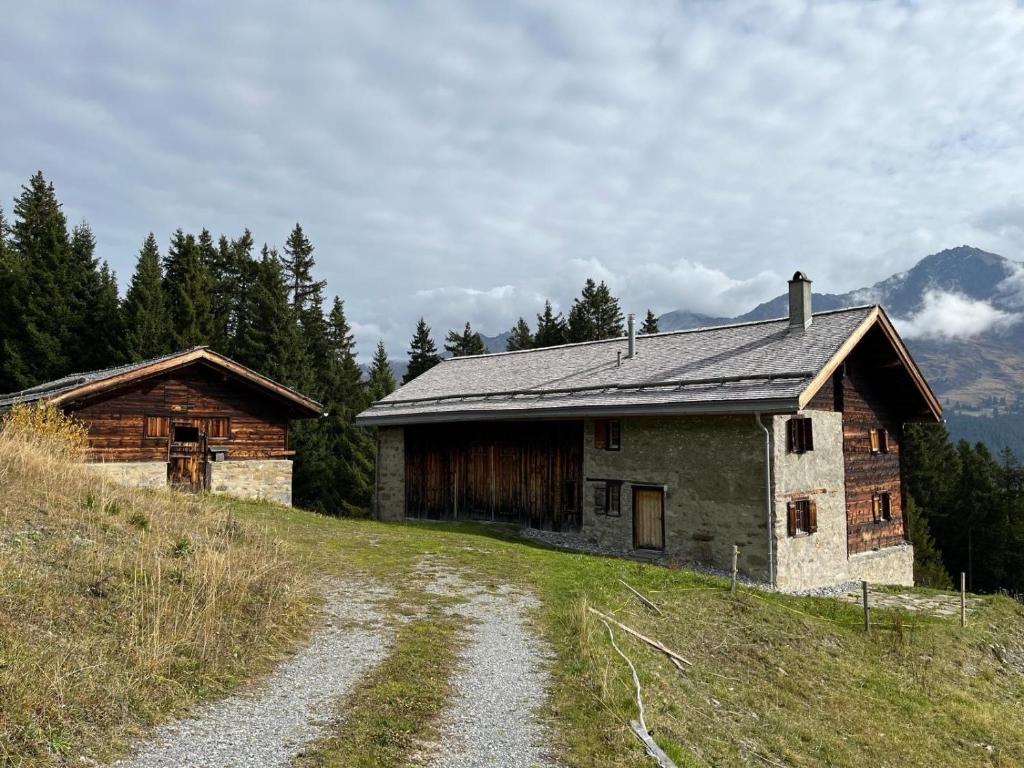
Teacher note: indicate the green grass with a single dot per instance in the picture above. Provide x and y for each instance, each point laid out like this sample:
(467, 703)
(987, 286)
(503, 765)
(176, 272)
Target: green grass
(395, 708)
(775, 679)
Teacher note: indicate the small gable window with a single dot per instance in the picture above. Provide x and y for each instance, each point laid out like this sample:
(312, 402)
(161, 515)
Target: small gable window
(879, 441)
(802, 517)
(881, 507)
(608, 498)
(800, 434)
(156, 427)
(607, 435)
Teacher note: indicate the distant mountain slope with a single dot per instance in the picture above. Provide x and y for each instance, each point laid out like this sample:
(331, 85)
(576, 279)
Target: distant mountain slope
(968, 371)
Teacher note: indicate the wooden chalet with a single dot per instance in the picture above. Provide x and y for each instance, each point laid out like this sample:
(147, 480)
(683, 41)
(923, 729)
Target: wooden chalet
(782, 437)
(195, 420)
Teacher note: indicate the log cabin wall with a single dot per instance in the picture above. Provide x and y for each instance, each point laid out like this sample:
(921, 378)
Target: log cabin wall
(872, 393)
(524, 472)
(256, 425)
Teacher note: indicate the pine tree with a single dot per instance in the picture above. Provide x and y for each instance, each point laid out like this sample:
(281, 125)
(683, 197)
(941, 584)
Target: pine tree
(95, 327)
(298, 266)
(270, 343)
(382, 378)
(40, 240)
(14, 374)
(551, 329)
(650, 324)
(219, 263)
(519, 337)
(422, 352)
(929, 570)
(147, 330)
(464, 344)
(595, 314)
(244, 271)
(187, 288)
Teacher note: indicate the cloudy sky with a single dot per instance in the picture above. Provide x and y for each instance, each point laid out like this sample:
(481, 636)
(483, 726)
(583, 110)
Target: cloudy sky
(465, 160)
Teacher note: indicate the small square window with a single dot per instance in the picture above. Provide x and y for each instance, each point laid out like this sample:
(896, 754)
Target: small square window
(155, 426)
(802, 517)
(800, 434)
(607, 435)
(881, 507)
(608, 498)
(879, 441)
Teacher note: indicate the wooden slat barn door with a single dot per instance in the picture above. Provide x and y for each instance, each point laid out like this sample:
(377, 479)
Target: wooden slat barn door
(648, 518)
(186, 466)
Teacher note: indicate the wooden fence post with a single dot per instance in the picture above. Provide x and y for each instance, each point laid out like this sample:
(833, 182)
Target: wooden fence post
(867, 610)
(735, 563)
(963, 599)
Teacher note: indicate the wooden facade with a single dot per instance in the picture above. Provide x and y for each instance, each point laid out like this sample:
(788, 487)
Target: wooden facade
(524, 472)
(875, 395)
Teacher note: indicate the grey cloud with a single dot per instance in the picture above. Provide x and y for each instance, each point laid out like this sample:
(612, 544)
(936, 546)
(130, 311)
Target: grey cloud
(692, 154)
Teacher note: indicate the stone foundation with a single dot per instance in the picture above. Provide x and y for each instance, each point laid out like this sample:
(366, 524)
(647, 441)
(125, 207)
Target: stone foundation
(390, 496)
(136, 474)
(892, 565)
(269, 479)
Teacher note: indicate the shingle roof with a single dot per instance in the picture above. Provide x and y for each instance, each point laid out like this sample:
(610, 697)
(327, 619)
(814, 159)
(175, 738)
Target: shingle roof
(745, 367)
(65, 388)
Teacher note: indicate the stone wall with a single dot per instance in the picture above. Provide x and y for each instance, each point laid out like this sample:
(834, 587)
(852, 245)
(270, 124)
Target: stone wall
(134, 474)
(892, 565)
(269, 479)
(712, 469)
(390, 496)
(810, 560)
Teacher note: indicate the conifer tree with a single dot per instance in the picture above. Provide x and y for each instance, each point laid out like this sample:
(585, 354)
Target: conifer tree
(422, 352)
(40, 240)
(244, 271)
(595, 314)
(298, 267)
(464, 344)
(187, 290)
(650, 324)
(519, 337)
(93, 301)
(929, 570)
(147, 332)
(219, 263)
(270, 343)
(551, 329)
(382, 378)
(14, 374)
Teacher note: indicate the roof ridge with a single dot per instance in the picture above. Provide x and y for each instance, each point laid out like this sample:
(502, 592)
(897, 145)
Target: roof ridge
(653, 335)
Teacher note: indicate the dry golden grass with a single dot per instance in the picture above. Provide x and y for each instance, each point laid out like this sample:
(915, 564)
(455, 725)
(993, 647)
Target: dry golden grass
(119, 607)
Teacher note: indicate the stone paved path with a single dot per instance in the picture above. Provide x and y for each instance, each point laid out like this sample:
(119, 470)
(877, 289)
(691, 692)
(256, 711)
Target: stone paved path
(936, 605)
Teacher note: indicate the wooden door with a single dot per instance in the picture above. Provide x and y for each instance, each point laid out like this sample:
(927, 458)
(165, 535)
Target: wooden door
(186, 461)
(648, 518)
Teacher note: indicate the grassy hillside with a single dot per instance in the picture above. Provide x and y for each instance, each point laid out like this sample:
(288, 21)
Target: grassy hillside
(119, 608)
(776, 680)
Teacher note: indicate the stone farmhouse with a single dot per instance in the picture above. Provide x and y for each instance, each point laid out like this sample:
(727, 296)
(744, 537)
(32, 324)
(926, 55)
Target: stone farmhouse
(194, 420)
(780, 437)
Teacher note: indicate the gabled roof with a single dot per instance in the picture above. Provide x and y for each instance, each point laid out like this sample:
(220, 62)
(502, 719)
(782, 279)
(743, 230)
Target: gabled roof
(77, 386)
(748, 367)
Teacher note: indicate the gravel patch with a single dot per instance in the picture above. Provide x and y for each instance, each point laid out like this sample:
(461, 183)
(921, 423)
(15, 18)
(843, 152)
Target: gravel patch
(268, 725)
(499, 687)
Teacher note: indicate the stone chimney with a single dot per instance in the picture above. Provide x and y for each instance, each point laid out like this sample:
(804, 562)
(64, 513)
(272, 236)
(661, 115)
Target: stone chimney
(799, 301)
(631, 326)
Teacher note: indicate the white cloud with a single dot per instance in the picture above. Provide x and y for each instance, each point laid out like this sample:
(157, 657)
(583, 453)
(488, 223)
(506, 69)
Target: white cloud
(691, 152)
(954, 316)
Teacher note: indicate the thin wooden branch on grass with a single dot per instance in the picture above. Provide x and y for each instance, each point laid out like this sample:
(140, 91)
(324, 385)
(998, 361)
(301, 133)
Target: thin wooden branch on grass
(642, 599)
(651, 642)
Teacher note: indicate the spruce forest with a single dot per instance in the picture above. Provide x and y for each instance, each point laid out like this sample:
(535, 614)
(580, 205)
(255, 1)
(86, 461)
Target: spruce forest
(61, 312)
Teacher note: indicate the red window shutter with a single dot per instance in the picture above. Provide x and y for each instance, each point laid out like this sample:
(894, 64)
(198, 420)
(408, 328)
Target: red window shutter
(812, 517)
(808, 434)
(791, 521)
(601, 434)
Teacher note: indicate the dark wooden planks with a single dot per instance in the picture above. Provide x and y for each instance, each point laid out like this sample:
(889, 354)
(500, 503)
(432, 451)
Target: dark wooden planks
(529, 473)
(257, 423)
